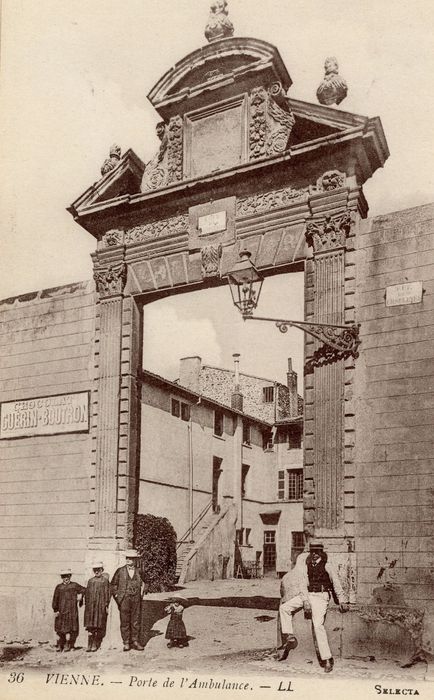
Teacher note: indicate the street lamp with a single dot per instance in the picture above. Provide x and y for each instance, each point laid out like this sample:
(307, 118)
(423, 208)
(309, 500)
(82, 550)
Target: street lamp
(245, 283)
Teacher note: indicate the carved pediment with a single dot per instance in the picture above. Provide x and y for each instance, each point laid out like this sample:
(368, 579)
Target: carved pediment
(121, 176)
(235, 60)
(313, 121)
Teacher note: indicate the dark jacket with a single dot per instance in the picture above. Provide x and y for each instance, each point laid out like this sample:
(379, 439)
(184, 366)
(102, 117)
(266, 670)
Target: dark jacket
(97, 599)
(119, 582)
(65, 604)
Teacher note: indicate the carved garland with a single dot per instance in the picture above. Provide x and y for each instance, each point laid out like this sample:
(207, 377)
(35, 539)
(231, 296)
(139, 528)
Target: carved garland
(175, 152)
(157, 229)
(267, 201)
(275, 199)
(271, 122)
(258, 123)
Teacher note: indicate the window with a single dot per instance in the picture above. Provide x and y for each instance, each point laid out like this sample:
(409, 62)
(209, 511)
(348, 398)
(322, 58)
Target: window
(218, 423)
(180, 409)
(267, 440)
(281, 485)
(269, 550)
(297, 545)
(268, 394)
(244, 471)
(247, 537)
(293, 438)
(246, 433)
(295, 484)
(290, 485)
(185, 411)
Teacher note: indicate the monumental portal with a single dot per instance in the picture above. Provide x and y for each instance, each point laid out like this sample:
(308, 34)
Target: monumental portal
(241, 165)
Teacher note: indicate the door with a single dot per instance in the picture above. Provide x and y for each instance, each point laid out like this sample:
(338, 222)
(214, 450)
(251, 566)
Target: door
(269, 559)
(216, 472)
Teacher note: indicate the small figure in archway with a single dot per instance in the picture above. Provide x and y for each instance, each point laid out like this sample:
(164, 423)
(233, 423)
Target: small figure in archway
(65, 599)
(176, 632)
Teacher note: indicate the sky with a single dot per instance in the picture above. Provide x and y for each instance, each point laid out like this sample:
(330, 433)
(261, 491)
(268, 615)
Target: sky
(74, 78)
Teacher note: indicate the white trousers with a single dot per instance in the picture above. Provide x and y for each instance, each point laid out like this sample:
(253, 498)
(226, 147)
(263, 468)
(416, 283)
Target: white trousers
(319, 603)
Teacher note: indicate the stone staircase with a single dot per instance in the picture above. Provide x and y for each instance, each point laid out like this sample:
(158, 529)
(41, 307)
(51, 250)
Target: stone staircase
(184, 546)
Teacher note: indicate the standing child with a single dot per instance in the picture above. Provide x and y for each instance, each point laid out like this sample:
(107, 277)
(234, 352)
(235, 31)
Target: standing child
(176, 632)
(97, 599)
(66, 596)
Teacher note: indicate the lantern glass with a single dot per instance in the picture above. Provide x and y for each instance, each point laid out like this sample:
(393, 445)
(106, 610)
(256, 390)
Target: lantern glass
(245, 284)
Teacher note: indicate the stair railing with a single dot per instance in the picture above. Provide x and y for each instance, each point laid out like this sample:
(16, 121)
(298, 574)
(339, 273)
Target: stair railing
(188, 534)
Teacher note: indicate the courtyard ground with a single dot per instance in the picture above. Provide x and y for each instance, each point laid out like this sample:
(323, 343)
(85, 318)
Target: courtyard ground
(232, 631)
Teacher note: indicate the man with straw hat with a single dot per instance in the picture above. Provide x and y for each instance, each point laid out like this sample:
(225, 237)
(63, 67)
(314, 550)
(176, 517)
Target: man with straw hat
(65, 598)
(97, 599)
(127, 587)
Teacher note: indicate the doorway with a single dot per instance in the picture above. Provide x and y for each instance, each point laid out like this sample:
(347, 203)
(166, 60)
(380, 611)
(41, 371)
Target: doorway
(216, 473)
(269, 558)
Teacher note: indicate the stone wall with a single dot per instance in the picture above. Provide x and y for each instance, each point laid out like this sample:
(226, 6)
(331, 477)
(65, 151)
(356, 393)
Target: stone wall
(219, 384)
(45, 350)
(213, 556)
(394, 405)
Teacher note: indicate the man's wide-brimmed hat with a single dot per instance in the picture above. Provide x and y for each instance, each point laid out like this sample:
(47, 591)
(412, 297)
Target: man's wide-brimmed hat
(316, 546)
(97, 565)
(131, 554)
(65, 572)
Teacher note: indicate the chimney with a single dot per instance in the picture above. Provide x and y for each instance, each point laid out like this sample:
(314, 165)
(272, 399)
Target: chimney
(291, 380)
(189, 372)
(237, 397)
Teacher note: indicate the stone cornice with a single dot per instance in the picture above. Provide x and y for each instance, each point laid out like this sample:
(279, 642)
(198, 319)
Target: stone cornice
(366, 141)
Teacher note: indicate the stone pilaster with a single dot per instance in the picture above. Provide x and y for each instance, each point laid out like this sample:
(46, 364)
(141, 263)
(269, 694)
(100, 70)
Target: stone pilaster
(106, 458)
(129, 419)
(115, 401)
(325, 398)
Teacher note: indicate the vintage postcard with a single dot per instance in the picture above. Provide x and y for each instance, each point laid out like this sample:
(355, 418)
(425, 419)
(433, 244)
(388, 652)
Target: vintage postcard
(216, 349)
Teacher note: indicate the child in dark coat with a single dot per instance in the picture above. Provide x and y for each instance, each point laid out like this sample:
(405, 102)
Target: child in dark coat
(176, 632)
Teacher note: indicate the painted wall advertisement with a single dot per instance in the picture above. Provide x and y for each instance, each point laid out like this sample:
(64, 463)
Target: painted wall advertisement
(45, 415)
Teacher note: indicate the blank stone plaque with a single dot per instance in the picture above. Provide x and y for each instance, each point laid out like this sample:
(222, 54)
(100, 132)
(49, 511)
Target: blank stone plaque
(215, 139)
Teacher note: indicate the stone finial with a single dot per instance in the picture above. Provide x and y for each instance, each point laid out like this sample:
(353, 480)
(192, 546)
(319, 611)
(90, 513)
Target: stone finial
(333, 88)
(219, 25)
(111, 162)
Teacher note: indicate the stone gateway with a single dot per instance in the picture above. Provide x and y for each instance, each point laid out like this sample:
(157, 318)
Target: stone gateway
(241, 165)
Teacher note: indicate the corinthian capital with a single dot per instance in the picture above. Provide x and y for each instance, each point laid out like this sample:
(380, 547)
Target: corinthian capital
(329, 233)
(111, 280)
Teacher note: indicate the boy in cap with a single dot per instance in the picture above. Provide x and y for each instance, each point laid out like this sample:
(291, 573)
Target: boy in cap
(97, 599)
(127, 587)
(65, 598)
(313, 579)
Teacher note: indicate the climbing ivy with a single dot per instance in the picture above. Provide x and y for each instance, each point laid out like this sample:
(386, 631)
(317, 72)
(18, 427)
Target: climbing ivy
(155, 541)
